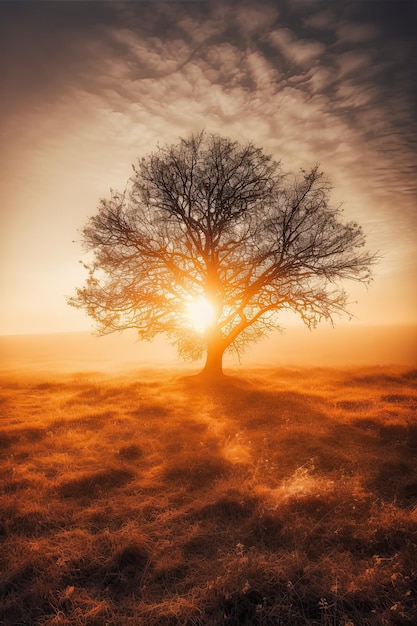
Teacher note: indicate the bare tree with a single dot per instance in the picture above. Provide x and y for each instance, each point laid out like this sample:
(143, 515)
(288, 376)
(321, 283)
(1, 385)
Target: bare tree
(213, 224)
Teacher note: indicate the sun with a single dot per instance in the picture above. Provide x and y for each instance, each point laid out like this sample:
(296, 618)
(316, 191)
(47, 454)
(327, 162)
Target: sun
(200, 313)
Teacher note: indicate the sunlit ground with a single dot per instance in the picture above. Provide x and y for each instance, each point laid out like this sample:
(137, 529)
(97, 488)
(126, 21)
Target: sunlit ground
(284, 496)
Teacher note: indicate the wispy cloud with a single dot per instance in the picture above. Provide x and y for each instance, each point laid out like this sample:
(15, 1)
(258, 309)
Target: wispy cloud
(299, 51)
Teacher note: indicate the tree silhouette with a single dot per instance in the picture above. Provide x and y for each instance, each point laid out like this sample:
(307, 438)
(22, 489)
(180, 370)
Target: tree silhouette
(211, 221)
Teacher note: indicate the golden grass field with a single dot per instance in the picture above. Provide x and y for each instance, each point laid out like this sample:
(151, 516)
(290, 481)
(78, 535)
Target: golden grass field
(279, 497)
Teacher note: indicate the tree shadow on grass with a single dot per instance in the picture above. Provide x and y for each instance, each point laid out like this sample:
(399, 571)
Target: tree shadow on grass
(119, 575)
(197, 473)
(254, 406)
(387, 454)
(302, 427)
(21, 435)
(95, 484)
(91, 422)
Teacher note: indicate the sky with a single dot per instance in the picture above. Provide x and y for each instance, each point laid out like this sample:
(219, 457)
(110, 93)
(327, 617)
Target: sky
(89, 87)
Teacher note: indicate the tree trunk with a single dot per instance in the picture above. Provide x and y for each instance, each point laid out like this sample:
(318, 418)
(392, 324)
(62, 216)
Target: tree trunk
(214, 360)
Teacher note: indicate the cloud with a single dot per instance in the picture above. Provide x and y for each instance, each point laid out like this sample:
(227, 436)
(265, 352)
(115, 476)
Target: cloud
(225, 63)
(255, 18)
(319, 79)
(350, 62)
(320, 20)
(354, 33)
(262, 73)
(349, 96)
(299, 51)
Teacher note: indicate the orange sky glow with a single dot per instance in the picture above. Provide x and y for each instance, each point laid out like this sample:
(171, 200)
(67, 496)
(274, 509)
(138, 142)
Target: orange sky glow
(90, 87)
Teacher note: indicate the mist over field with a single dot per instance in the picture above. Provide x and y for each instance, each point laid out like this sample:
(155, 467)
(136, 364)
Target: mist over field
(324, 346)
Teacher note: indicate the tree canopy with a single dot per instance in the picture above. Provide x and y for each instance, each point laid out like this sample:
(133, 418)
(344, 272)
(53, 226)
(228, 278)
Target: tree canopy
(210, 241)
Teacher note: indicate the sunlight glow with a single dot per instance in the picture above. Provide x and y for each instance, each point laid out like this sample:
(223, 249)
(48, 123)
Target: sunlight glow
(200, 313)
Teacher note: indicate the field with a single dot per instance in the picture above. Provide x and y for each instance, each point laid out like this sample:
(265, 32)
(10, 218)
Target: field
(280, 497)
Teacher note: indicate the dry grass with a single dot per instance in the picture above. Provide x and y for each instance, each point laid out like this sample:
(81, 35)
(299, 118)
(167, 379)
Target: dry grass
(287, 497)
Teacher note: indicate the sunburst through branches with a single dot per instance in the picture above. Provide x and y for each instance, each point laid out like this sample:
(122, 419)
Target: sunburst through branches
(200, 313)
